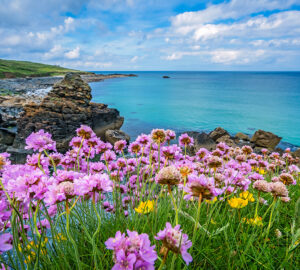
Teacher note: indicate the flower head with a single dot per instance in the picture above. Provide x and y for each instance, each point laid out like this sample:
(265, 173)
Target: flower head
(145, 207)
(168, 176)
(85, 132)
(257, 221)
(40, 141)
(132, 251)
(185, 140)
(237, 202)
(120, 146)
(279, 189)
(201, 186)
(158, 136)
(246, 195)
(262, 185)
(173, 239)
(5, 242)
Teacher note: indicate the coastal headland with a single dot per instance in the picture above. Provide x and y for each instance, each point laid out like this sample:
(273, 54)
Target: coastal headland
(56, 104)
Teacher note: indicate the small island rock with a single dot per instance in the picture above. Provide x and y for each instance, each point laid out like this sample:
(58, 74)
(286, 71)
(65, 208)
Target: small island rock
(265, 139)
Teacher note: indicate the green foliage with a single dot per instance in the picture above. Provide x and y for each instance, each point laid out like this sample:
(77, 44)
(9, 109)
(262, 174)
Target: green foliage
(14, 69)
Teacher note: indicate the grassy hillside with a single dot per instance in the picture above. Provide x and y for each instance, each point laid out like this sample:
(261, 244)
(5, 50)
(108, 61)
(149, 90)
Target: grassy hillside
(14, 69)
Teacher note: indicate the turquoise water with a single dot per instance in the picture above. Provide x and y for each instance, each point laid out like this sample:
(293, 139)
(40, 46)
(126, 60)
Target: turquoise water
(201, 101)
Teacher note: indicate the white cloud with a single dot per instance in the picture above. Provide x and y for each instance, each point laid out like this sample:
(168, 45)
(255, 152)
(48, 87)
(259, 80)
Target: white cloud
(222, 56)
(73, 54)
(134, 59)
(56, 51)
(179, 55)
(236, 56)
(229, 10)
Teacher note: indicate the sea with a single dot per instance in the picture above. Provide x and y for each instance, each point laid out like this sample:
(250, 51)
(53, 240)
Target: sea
(201, 101)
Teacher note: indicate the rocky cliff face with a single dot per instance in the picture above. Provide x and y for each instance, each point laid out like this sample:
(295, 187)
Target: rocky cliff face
(62, 111)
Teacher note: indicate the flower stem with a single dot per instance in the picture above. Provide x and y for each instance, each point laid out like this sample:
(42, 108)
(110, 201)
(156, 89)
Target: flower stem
(35, 219)
(256, 208)
(174, 203)
(197, 218)
(69, 235)
(270, 221)
(164, 260)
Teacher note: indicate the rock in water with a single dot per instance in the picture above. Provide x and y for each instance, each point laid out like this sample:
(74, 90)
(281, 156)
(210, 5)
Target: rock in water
(226, 139)
(265, 139)
(218, 133)
(66, 107)
(242, 136)
(201, 140)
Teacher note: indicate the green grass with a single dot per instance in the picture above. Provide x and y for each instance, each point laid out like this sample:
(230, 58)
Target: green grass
(16, 69)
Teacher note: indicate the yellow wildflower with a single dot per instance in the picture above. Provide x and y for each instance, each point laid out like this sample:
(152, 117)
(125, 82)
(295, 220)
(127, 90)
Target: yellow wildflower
(246, 195)
(211, 201)
(60, 237)
(213, 222)
(185, 171)
(145, 207)
(257, 221)
(262, 171)
(237, 202)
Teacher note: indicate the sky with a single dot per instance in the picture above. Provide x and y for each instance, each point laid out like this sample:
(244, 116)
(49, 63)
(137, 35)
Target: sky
(153, 34)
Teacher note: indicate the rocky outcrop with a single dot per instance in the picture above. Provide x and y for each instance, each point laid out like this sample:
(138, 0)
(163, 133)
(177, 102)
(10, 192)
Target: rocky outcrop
(63, 110)
(113, 136)
(296, 153)
(226, 139)
(201, 140)
(218, 133)
(242, 136)
(265, 139)
(261, 139)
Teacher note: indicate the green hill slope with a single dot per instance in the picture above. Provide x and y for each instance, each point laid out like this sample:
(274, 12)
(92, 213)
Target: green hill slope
(15, 69)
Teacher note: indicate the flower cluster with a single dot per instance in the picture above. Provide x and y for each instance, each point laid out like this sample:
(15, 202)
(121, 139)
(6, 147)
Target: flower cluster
(132, 252)
(130, 182)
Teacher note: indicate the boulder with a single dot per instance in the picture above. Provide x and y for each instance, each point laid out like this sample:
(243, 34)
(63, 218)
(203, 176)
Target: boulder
(7, 136)
(113, 136)
(242, 136)
(67, 106)
(265, 139)
(104, 118)
(218, 133)
(201, 140)
(296, 153)
(18, 156)
(226, 139)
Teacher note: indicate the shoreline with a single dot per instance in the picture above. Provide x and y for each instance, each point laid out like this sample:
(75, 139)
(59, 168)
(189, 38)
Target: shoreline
(16, 86)
(22, 91)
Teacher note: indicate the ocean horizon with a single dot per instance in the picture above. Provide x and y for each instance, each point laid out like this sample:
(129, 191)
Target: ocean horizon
(238, 101)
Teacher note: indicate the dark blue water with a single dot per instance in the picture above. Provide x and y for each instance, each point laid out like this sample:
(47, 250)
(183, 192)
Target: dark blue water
(237, 101)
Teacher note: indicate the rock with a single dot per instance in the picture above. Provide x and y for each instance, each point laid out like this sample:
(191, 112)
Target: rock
(113, 136)
(66, 107)
(242, 136)
(296, 153)
(18, 156)
(218, 133)
(265, 139)
(3, 148)
(201, 140)
(104, 119)
(166, 77)
(226, 139)
(7, 136)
